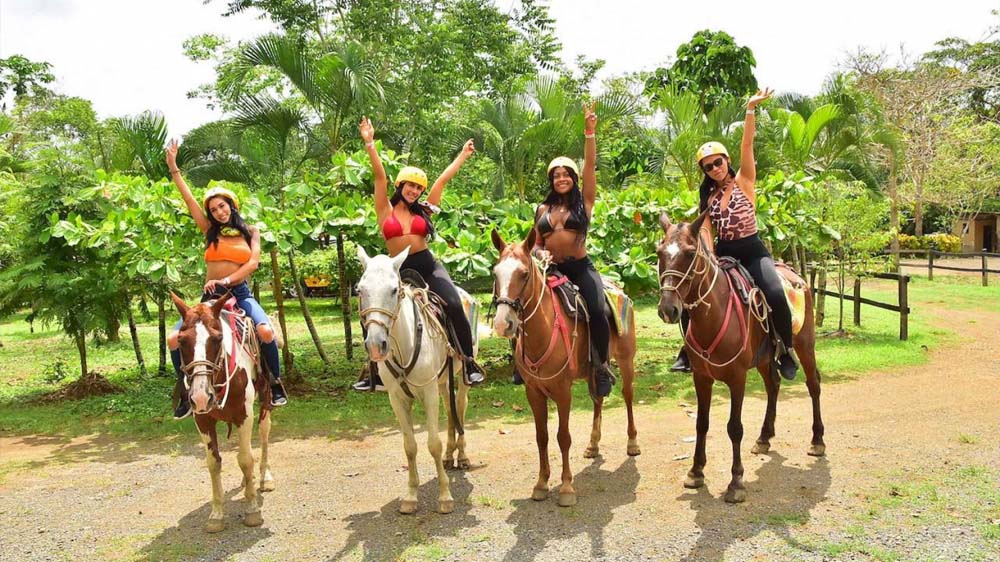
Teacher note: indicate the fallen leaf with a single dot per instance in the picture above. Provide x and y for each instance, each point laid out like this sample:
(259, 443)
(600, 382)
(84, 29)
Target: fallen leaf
(657, 387)
(683, 405)
(689, 439)
(498, 404)
(692, 415)
(504, 431)
(517, 408)
(681, 457)
(351, 474)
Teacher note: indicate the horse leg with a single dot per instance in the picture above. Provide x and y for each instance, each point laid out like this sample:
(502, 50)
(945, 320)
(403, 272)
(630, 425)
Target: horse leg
(449, 452)
(462, 403)
(626, 365)
(593, 448)
(431, 404)
(807, 355)
(266, 478)
(736, 492)
(703, 388)
(252, 518)
(567, 495)
(216, 521)
(401, 407)
(540, 410)
(772, 384)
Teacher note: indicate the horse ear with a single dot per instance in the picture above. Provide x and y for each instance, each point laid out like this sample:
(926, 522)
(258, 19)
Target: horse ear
(498, 242)
(398, 259)
(696, 225)
(182, 306)
(665, 221)
(363, 257)
(220, 303)
(529, 242)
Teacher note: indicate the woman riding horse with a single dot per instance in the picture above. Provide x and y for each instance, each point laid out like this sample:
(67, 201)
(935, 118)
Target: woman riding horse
(561, 223)
(232, 254)
(406, 223)
(730, 200)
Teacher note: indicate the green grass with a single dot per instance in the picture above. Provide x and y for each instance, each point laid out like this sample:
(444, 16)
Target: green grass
(324, 405)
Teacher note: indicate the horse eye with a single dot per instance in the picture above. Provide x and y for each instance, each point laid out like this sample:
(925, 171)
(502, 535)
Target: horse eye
(395, 292)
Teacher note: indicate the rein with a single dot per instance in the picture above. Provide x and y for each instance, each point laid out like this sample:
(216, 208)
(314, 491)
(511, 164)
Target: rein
(248, 341)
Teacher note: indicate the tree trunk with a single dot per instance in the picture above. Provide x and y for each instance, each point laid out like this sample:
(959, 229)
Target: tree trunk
(820, 297)
(81, 347)
(918, 206)
(345, 296)
(305, 310)
(161, 323)
(894, 211)
(134, 332)
(256, 291)
(279, 303)
(114, 326)
(796, 259)
(841, 289)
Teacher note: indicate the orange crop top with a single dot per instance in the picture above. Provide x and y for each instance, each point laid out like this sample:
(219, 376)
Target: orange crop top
(230, 248)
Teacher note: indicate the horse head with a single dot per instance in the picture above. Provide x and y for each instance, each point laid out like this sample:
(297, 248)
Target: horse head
(678, 254)
(512, 286)
(380, 294)
(202, 351)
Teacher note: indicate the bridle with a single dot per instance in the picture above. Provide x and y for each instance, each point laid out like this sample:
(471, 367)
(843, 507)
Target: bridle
(534, 272)
(689, 275)
(211, 368)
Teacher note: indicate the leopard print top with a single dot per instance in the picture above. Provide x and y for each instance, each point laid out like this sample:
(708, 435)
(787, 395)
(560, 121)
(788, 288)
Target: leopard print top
(738, 220)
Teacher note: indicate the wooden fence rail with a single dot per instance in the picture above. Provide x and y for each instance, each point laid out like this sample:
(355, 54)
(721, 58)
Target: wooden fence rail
(931, 266)
(902, 307)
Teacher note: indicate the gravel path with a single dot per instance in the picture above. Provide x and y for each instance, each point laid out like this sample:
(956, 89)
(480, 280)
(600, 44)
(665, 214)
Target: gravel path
(94, 499)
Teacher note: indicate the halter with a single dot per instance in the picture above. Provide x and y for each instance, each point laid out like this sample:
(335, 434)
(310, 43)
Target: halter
(688, 276)
(220, 364)
(516, 303)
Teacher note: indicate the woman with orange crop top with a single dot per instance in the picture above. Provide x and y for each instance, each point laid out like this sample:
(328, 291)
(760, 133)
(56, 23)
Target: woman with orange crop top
(232, 254)
(729, 198)
(405, 222)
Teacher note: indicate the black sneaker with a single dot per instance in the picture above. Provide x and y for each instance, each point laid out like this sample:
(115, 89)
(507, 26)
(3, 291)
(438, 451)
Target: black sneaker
(787, 366)
(183, 409)
(516, 378)
(605, 380)
(278, 397)
(365, 384)
(683, 364)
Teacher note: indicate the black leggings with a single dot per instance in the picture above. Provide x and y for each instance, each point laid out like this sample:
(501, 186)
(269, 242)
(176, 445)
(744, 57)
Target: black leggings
(437, 278)
(752, 254)
(582, 273)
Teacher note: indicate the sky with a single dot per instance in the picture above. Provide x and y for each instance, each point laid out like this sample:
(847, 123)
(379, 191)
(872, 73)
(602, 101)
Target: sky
(126, 55)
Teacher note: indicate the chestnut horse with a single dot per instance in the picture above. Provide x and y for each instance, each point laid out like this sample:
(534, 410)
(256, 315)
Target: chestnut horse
(222, 380)
(550, 361)
(691, 278)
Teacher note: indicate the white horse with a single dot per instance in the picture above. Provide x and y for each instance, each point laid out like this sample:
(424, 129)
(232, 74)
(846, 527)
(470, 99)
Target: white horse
(412, 352)
(222, 388)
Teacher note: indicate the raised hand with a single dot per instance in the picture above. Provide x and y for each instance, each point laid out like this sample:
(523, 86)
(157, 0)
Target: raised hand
(367, 130)
(760, 96)
(589, 117)
(171, 153)
(468, 149)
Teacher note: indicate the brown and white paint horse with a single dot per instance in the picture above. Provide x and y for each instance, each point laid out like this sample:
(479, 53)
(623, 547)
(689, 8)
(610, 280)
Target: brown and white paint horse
(527, 309)
(222, 389)
(691, 278)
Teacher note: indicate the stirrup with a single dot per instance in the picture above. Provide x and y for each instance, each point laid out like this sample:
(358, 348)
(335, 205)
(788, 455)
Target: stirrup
(472, 372)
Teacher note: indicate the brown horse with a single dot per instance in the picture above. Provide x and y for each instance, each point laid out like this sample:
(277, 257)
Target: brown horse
(222, 380)
(527, 310)
(691, 278)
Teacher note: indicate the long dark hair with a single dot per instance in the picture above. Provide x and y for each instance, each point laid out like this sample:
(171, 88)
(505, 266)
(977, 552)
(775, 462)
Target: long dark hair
(418, 207)
(572, 201)
(235, 221)
(708, 185)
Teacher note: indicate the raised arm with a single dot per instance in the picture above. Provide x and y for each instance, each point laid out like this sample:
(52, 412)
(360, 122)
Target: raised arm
(434, 197)
(382, 205)
(192, 204)
(748, 168)
(589, 178)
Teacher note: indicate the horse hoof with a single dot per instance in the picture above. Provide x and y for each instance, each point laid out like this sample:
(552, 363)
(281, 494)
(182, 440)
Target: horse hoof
(760, 448)
(633, 450)
(407, 507)
(539, 494)
(254, 519)
(446, 506)
(449, 464)
(567, 499)
(215, 525)
(267, 485)
(817, 450)
(464, 464)
(694, 482)
(590, 452)
(736, 495)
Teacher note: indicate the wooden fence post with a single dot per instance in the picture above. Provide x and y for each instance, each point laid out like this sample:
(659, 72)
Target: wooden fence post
(821, 298)
(857, 301)
(986, 273)
(930, 265)
(904, 308)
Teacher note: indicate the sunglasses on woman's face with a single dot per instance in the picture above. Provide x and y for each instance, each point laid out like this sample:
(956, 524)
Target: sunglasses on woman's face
(708, 167)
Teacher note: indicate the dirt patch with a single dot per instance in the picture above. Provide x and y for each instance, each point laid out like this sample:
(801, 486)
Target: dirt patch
(91, 384)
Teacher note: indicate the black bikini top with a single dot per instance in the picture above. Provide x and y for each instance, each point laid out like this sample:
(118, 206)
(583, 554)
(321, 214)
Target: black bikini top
(545, 225)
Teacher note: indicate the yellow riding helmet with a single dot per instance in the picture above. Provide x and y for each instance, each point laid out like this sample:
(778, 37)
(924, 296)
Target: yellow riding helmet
(565, 163)
(412, 174)
(223, 192)
(711, 149)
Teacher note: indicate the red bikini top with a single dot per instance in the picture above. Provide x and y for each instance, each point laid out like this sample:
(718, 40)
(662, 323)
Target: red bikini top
(392, 228)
